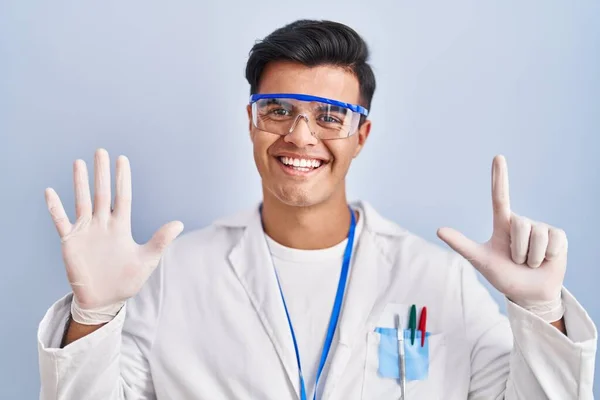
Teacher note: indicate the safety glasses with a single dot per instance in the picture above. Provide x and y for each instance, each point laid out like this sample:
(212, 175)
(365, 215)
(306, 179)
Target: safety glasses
(280, 113)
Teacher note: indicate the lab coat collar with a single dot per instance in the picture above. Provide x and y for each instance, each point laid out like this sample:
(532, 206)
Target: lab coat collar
(253, 266)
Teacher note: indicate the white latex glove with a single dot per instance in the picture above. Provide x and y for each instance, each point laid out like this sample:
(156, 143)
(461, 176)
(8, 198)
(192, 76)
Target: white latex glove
(525, 260)
(104, 265)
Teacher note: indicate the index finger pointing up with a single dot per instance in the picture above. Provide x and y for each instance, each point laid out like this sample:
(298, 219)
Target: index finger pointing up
(500, 194)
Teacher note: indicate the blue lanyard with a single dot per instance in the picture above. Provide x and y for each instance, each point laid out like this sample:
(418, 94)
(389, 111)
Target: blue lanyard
(335, 313)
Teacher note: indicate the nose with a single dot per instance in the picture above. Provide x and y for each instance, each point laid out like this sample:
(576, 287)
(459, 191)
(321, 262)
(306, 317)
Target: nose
(300, 133)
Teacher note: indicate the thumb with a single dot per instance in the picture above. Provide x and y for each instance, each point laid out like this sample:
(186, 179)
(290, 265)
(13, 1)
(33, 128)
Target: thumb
(163, 237)
(470, 250)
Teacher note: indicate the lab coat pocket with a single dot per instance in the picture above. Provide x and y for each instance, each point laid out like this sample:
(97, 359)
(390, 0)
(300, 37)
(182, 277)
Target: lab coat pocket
(423, 380)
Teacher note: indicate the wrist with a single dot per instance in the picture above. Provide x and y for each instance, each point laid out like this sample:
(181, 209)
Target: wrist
(550, 311)
(94, 316)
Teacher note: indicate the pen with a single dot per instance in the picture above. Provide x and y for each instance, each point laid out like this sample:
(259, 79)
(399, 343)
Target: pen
(423, 325)
(412, 324)
(401, 359)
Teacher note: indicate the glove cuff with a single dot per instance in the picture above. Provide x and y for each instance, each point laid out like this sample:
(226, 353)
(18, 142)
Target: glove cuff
(549, 311)
(94, 316)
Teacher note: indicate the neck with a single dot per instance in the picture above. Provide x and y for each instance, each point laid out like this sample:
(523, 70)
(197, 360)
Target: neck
(307, 228)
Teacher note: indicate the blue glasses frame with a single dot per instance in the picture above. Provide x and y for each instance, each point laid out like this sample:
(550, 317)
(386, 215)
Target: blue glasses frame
(307, 97)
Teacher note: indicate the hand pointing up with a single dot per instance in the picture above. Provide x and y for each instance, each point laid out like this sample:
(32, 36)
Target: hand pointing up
(525, 260)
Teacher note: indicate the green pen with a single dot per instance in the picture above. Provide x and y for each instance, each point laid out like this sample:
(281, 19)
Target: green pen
(412, 323)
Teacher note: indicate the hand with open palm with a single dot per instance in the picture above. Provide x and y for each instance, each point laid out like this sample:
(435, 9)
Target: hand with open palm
(104, 265)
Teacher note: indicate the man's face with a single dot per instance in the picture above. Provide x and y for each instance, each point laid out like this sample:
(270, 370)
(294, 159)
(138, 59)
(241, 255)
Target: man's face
(308, 186)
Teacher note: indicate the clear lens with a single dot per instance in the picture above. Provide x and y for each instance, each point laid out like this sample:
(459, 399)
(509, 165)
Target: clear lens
(280, 116)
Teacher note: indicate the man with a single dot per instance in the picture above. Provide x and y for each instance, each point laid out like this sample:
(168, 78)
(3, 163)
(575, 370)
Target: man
(303, 296)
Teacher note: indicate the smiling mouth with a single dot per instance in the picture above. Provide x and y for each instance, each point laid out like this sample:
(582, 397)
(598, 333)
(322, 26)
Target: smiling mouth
(301, 164)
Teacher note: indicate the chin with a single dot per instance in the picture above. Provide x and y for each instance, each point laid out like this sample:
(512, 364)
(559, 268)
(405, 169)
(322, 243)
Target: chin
(292, 195)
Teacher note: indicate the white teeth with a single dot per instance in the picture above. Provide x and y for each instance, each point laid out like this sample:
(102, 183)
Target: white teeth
(301, 164)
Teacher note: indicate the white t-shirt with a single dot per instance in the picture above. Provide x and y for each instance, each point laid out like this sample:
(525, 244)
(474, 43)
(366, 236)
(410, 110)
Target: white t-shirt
(309, 280)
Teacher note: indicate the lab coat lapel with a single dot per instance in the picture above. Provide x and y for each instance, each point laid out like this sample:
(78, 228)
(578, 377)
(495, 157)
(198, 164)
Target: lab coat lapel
(361, 294)
(253, 266)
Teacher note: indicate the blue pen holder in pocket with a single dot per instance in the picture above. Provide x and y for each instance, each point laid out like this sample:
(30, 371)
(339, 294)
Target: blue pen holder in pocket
(416, 358)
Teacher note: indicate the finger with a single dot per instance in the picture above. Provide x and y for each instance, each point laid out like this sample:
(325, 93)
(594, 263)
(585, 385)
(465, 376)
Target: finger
(500, 192)
(538, 243)
(470, 250)
(520, 230)
(57, 212)
(163, 238)
(557, 243)
(102, 196)
(83, 199)
(123, 188)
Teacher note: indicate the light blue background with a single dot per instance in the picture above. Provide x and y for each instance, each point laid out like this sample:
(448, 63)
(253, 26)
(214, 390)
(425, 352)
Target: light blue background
(163, 82)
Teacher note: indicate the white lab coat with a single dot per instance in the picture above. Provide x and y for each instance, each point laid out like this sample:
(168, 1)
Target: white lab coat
(210, 324)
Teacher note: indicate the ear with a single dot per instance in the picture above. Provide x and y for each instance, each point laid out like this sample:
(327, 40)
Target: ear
(249, 111)
(363, 134)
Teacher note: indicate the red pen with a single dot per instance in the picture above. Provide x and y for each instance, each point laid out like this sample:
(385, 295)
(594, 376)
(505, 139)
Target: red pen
(423, 325)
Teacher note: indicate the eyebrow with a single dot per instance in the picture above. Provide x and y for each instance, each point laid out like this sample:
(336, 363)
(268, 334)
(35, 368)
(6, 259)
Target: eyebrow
(333, 108)
(279, 102)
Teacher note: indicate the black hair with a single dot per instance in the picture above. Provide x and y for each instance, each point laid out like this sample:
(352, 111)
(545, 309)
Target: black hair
(313, 43)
